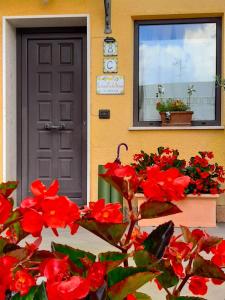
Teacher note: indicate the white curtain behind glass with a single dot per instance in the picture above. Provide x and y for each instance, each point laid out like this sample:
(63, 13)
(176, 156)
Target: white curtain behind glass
(177, 56)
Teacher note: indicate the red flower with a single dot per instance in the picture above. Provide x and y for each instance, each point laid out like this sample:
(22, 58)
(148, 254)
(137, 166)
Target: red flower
(219, 254)
(5, 209)
(40, 192)
(59, 212)
(164, 185)
(198, 234)
(138, 238)
(32, 222)
(178, 268)
(198, 285)
(55, 270)
(158, 284)
(7, 263)
(131, 297)
(39, 189)
(96, 275)
(204, 175)
(74, 288)
(124, 178)
(22, 282)
(30, 202)
(217, 281)
(106, 213)
(176, 253)
(138, 157)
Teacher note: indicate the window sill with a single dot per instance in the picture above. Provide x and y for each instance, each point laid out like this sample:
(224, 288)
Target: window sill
(134, 128)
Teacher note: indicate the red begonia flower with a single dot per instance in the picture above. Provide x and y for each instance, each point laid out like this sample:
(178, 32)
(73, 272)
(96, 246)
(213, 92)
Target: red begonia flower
(31, 248)
(178, 268)
(123, 177)
(160, 287)
(22, 282)
(106, 213)
(166, 185)
(219, 254)
(198, 285)
(59, 212)
(55, 270)
(32, 222)
(217, 281)
(198, 234)
(131, 297)
(30, 202)
(39, 189)
(96, 275)
(138, 238)
(74, 288)
(176, 252)
(7, 263)
(5, 209)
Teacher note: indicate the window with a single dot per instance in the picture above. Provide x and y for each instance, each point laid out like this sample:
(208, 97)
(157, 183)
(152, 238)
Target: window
(172, 57)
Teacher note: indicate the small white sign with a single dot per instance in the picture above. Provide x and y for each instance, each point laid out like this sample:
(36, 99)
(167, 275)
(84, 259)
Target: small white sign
(110, 85)
(110, 65)
(110, 48)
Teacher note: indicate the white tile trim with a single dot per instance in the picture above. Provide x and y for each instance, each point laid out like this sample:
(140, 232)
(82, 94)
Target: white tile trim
(16, 22)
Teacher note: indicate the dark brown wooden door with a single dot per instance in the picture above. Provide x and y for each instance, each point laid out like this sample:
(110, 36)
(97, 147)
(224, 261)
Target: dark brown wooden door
(54, 112)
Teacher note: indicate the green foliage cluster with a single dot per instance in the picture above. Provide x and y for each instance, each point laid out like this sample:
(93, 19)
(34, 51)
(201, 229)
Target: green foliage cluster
(172, 105)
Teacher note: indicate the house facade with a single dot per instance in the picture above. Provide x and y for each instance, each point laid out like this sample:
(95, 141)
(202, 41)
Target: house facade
(78, 77)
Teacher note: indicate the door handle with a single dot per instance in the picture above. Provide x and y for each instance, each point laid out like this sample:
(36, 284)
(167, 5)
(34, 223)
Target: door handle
(49, 126)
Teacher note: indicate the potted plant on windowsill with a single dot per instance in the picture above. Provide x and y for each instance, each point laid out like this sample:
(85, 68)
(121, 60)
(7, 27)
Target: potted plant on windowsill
(174, 112)
(199, 204)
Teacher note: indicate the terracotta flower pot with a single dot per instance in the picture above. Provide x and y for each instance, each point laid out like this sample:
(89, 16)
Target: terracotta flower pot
(197, 211)
(176, 118)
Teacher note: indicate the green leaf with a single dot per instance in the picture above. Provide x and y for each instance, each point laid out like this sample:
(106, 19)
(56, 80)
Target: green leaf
(206, 243)
(112, 259)
(142, 296)
(7, 188)
(142, 258)
(3, 243)
(188, 237)
(35, 293)
(16, 227)
(168, 278)
(110, 232)
(124, 281)
(41, 293)
(150, 209)
(159, 239)
(206, 268)
(75, 255)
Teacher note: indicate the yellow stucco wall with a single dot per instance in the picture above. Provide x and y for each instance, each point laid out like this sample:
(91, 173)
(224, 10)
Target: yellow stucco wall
(106, 134)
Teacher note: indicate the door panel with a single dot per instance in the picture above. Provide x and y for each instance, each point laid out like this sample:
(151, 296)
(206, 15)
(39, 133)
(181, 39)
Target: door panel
(55, 113)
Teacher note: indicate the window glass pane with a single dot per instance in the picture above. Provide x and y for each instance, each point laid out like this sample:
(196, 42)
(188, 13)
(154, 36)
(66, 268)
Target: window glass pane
(177, 56)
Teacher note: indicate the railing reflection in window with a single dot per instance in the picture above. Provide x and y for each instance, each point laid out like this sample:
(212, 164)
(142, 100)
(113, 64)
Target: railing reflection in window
(202, 102)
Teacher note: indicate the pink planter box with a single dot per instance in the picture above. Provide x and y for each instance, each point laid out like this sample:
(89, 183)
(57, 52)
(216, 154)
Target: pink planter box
(197, 211)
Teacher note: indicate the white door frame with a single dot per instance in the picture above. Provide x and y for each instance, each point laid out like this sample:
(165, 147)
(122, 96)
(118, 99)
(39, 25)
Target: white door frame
(9, 82)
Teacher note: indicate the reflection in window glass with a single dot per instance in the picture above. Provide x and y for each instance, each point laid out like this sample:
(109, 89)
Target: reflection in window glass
(177, 56)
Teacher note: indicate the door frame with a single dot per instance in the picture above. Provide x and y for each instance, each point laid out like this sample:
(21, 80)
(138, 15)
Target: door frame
(9, 112)
(23, 36)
